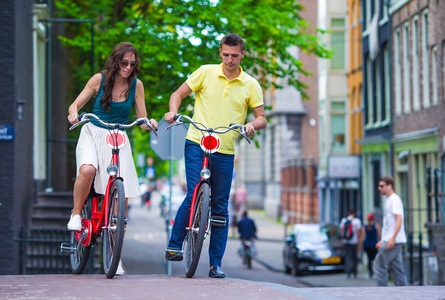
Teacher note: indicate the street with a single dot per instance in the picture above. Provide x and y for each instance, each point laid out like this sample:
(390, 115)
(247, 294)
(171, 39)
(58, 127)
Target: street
(146, 239)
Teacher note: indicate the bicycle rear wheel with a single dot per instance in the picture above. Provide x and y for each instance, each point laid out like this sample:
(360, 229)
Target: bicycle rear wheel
(79, 257)
(114, 234)
(195, 236)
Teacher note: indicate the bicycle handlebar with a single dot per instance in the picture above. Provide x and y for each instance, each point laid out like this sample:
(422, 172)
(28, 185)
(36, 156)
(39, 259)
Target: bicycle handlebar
(179, 119)
(85, 118)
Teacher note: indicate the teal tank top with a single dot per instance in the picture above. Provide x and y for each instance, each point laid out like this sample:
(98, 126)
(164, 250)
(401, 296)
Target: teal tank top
(119, 111)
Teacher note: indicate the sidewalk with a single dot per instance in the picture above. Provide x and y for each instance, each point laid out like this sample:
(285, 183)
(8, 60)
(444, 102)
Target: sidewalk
(271, 231)
(178, 287)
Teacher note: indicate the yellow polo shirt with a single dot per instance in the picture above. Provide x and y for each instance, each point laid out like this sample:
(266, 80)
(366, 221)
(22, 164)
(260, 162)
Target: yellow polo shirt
(220, 102)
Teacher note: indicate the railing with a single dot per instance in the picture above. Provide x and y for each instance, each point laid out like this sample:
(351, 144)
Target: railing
(40, 252)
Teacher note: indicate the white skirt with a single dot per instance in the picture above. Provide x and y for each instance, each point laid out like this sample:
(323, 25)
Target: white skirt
(92, 149)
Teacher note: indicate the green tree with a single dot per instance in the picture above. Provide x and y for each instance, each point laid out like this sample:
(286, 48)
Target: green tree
(175, 37)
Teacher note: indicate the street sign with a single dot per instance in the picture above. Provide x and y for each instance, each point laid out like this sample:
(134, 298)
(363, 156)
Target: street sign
(170, 143)
(6, 133)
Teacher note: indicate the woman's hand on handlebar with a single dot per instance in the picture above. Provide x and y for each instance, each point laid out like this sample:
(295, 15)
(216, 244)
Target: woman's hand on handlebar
(73, 118)
(170, 116)
(153, 123)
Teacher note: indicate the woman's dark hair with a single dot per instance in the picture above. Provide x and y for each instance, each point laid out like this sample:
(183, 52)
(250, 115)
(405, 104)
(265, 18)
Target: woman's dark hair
(232, 40)
(112, 69)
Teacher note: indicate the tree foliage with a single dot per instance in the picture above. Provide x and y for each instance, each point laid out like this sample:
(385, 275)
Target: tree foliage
(175, 37)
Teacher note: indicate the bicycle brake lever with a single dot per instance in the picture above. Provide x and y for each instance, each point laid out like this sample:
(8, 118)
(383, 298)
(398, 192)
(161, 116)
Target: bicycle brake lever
(79, 123)
(243, 134)
(146, 122)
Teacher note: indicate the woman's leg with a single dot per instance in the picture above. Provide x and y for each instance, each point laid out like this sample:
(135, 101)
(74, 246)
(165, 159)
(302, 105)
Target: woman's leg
(82, 187)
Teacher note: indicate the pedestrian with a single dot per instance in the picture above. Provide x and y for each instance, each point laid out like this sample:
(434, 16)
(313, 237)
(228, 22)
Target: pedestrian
(389, 255)
(350, 228)
(371, 232)
(115, 90)
(241, 199)
(146, 197)
(222, 95)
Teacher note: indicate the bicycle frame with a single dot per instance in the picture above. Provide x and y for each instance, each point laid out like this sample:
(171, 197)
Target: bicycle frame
(99, 217)
(208, 150)
(205, 164)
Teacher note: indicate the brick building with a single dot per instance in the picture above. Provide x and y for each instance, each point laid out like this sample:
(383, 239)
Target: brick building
(29, 119)
(418, 52)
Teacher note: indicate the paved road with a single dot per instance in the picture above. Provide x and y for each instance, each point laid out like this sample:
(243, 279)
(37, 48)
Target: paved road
(146, 239)
(146, 279)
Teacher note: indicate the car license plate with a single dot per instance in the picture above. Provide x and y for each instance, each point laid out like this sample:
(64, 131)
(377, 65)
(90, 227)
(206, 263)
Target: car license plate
(331, 260)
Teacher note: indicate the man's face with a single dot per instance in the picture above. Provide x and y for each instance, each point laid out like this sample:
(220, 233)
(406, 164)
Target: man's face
(231, 57)
(383, 187)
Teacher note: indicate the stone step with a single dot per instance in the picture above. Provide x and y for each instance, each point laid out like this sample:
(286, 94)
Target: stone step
(55, 197)
(50, 221)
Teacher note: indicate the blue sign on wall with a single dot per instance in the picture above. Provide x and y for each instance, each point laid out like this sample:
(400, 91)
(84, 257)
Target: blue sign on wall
(6, 133)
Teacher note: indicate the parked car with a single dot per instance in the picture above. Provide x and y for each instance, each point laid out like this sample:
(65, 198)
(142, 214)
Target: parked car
(313, 247)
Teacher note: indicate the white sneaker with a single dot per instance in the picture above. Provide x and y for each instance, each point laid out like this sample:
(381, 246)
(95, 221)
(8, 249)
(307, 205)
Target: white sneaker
(120, 269)
(75, 223)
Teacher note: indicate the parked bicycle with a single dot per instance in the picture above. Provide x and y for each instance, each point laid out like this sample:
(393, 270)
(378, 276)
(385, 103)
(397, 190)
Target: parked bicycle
(103, 215)
(201, 218)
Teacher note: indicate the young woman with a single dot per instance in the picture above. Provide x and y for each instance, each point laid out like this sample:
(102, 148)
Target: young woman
(115, 90)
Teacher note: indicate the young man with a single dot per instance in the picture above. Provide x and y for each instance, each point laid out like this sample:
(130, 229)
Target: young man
(223, 94)
(389, 254)
(352, 242)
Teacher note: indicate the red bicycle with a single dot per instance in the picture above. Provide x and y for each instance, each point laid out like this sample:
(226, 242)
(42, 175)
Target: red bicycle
(103, 215)
(200, 210)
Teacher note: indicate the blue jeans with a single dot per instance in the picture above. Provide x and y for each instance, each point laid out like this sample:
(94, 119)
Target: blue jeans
(221, 168)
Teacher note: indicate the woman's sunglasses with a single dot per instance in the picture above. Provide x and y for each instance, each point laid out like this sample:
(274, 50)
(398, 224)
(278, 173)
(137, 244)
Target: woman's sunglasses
(123, 64)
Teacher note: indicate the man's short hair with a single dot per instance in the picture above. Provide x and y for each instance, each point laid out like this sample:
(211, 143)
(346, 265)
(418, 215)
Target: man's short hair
(232, 40)
(387, 180)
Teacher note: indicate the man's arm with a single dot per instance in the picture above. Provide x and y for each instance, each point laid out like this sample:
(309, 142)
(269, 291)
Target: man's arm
(175, 101)
(392, 240)
(259, 123)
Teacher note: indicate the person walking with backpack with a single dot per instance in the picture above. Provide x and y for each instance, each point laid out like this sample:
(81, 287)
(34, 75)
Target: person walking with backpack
(351, 233)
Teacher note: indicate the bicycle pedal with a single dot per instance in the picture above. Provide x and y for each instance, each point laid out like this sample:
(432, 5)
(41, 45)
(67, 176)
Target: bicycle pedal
(218, 221)
(69, 248)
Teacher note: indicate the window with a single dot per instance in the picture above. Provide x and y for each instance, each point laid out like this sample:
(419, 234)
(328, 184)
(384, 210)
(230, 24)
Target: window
(397, 75)
(338, 143)
(406, 71)
(338, 43)
(368, 15)
(425, 61)
(415, 62)
(369, 92)
(378, 91)
(443, 66)
(435, 85)
(387, 71)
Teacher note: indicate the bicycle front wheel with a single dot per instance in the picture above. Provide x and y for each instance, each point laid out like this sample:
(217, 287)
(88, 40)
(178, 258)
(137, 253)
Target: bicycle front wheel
(195, 236)
(114, 233)
(79, 257)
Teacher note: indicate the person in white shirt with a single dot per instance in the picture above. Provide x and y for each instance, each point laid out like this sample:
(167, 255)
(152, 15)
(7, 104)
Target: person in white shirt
(390, 246)
(352, 241)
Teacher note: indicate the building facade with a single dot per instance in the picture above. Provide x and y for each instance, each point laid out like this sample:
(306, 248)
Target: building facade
(377, 121)
(28, 118)
(418, 37)
(339, 169)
